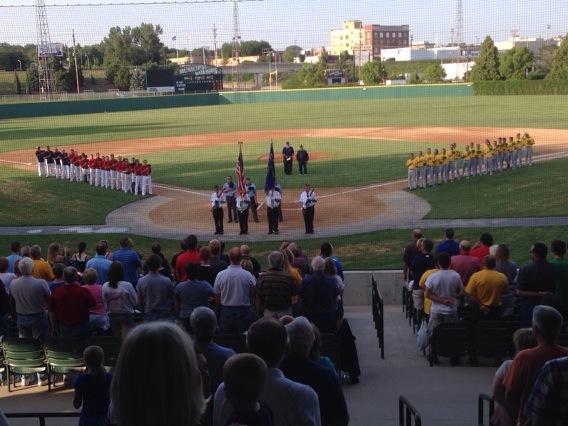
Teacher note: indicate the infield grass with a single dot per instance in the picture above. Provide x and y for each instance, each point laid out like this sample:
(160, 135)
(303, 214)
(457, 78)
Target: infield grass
(373, 250)
(539, 190)
(514, 111)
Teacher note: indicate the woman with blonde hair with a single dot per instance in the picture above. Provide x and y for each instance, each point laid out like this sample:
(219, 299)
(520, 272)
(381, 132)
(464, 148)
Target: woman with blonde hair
(160, 354)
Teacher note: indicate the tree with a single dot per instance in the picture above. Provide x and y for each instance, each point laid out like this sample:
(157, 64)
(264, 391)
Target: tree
(17, 84)
(291, 52)
(559, 66)
(138, 80)
(515, 62)
(324, 56)
(343, 63)
(32, 79)
(487, 63)
(122, 78)
(373, 72)
(434, 73)
(147, 44)
(545, 57)
(414, 79)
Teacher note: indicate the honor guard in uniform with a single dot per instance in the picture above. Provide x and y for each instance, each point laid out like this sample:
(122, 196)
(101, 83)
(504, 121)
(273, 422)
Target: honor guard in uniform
(229, 190)
(466, 170)
(529, 149)
(302, 157)
(251, 192)
(420, 169)
(288, 158)
(40, 157)
(243, 204)
(308, 202)
(273, 200)
(412, 172)
(278, 188)
(217, 199)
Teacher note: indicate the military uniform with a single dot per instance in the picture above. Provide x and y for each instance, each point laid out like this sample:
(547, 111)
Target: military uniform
(251, 192)
(308, 202)
(217, 200)
(243, 204)
(273, 200)
(229, 190)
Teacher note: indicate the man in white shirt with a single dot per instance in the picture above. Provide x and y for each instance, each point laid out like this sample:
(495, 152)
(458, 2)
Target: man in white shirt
(243, 204)
(217, 200)
(291, 403)
(308, 201)
(234, 293)
(443, 288)
(273, 200)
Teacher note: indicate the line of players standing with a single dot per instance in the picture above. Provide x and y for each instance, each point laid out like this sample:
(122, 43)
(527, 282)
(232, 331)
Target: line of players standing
(436, 167)
(103, 171)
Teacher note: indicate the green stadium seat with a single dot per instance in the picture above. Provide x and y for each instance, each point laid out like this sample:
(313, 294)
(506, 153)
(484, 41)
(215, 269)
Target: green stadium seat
(64, 356)
(23, 357)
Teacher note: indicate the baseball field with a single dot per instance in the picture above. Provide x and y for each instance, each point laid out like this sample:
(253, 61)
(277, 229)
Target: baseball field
(357, 150)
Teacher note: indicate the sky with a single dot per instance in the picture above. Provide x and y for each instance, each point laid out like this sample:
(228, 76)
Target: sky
(285, 22)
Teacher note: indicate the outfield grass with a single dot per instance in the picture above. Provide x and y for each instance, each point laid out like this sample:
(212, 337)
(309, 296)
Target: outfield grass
(349, 162)
(539, 190)
(27, 199)
(526, 112)
(374, 250)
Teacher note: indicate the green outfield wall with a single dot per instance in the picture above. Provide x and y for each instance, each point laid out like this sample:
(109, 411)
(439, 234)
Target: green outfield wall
(57, 108)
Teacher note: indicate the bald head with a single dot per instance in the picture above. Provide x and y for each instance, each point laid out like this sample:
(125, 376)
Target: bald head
(235, 256)
(215, 247)
(465, 246)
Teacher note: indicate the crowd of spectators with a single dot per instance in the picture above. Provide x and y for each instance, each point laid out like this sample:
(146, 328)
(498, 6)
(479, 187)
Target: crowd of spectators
(185, 302)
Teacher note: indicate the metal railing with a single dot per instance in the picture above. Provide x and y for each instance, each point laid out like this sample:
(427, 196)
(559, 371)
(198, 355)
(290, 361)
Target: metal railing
(407, 413)
(41, 416)
(377, 306)
(482, 398)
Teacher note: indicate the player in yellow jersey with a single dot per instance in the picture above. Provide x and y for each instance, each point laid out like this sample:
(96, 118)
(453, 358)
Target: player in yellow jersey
(429, 163)
(437, 161)
(488, 155)
(411, 166)
(497, 156)
(512, 148)
(466, 170)
(519, 145)
(453, 158)
(444, 165)
(420, 169)
(530, 149)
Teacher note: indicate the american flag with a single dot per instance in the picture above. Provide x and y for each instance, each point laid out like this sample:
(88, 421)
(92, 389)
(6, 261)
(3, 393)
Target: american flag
(240, 172)
(270, 171)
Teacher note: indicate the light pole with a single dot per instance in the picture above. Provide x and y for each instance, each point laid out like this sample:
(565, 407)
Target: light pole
(88, 61)
(20, 63)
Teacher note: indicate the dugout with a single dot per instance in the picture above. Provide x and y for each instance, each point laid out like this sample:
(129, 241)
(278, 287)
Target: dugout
(193, 78)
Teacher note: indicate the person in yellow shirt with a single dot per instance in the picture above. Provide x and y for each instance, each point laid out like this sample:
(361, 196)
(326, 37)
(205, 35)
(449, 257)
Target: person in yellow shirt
(519, 145)
(444, 165)
(41, 269)
(429, 164)
(437, 162)
(420, 164)
(422, 284)
(453, 157)
(530, 149)
(512, 146)
(466, 162)
(488, 157)
(485, 289)
(412, 172)
(497, 156)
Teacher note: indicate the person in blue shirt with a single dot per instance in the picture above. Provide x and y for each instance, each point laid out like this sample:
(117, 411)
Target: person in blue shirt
(15, 248)
(251, 192)
(448, 244)
(100, 263)
(326, 250)
(129, 259)
(92, 389)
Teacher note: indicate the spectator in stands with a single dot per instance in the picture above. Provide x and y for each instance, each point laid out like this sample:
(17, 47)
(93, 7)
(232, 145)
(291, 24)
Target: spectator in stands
(244, 376)
(100, 263)
(300, 261)
(410, 251)
(298, 367)
(54, 254)
(443, 288)
(155, 292)
(206, 272)
(129, 259)
(14, 256)
(504, 265)
(536, 280)
(6, 277)
(25, 253)
(190, 294)
(234, 294)
(119, 298)
(4, 310)
(159, 353)
(292, 403)
(92, 389)
(481, 248)
(315, 352)
(522, 339)
(548, 401)
(422, 262)
(296, 277)
(326, 250)
(98, 317)
(58, 280)
(204, 325)
(31, 298)
(166, 269)
(422, 284)
(42, 269)
(463, 263)
(79, 260)
(190, 255)
(318, 295)
(275, 288)
(485, 290)
(520, 377)
(245, 255)
(71, 305)
(216, 261)
(448, 244)
(330, 270)
(558, 249)
(247, 265)
(183, 248)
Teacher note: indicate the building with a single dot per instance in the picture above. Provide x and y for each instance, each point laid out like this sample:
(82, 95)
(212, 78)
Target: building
(366, 41)
(533, 44)
(409, 54)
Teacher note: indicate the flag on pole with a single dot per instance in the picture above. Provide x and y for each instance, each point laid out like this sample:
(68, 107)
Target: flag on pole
(270, 171)
(240, 171)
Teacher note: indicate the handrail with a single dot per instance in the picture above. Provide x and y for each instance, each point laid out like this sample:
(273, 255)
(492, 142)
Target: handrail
(407, 412)
(379, 314)
(481, 408)
(41, 416)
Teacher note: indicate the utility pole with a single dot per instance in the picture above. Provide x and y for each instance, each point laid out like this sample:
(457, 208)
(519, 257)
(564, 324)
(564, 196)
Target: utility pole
(236, 44)
(76, 67)
(44, 53)
(215, 45)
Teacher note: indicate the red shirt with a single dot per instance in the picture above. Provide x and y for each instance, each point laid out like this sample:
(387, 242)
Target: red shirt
(480, 252)
(112, 164)
(84, 163)
(71, 304)
(91, 162)
(144, 170)
(189, 256)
